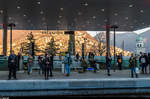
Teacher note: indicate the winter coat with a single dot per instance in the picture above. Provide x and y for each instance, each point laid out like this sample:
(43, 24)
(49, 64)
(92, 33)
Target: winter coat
(132, 62)
(143, 60)
(30, 61)
(119, 59)
(67, 60)
(47, 62)
(12, 61)
(108, 60)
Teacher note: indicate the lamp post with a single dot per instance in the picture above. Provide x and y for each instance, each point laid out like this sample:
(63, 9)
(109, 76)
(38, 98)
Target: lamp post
(114, 27)
(11, 25)
(85, 46)
(2, 26)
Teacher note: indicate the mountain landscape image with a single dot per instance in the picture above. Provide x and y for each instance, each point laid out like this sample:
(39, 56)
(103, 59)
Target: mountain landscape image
(42, 37)
(130, 40)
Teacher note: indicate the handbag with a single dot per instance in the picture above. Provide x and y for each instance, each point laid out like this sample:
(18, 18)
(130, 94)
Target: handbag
(137, 70)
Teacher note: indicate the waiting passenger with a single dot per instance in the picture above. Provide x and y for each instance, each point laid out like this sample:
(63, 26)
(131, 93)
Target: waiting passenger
(143, 64)
(40, 62)
(12, 65)
(133, 65)
(30, 64)
(68, 62)
(119, 60)
(108, 63)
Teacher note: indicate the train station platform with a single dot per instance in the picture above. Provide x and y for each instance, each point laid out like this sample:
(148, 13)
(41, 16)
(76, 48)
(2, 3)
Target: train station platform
(88, 83)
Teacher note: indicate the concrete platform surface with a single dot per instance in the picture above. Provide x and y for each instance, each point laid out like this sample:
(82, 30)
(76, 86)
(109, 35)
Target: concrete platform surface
(101, 74)
(88, 83)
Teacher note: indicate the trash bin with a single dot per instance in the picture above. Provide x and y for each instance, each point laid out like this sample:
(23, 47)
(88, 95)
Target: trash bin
(63, 68)
(97, 66)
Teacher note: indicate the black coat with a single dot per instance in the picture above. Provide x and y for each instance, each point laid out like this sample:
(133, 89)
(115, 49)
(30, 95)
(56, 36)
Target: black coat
(118, 58)
(149, 59)
(12, 61)
(108, 60)
(47, 62)
(146, 59)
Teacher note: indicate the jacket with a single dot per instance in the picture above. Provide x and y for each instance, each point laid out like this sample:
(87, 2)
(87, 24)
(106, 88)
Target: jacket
(12, 61)
(30, 61)
(108, 60)
(132, 62)
(47, 62)
(119, 59)
(67, 60)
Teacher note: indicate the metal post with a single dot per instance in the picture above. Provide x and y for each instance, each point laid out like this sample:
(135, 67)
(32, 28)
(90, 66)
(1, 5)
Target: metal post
(11, 40)
(114, 49)
(107, 15)
(114, 27)
(83, 50)
(21, 59)
(11, 25)
(123, 48)
(108, 38)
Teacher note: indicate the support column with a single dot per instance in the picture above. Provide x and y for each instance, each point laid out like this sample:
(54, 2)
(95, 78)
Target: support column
(107, 15)
(108, 38)
(71, 43)
(10, 40)
(5, 23)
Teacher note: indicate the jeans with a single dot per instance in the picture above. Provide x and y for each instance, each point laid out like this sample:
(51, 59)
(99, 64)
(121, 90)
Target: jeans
(108, 68)
(41, 68)
(29, 68)
(133, 70)
(67, 68)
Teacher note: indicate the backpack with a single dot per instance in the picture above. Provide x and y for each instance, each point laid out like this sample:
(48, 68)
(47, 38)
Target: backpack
(69, 60)
(143, 60)
(119, 60)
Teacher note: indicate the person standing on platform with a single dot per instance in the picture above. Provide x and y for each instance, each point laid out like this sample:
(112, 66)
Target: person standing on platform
(119, 60)
(12, 65)
(46, 62)
(133, 65)
(143, 64)
(149, 61)
(30, 64)
(67, 61)
(108, 63)
(40, 62)
(94, 66)
(51, 67)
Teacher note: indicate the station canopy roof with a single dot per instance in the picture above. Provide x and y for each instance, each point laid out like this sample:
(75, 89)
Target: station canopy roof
(91, 15)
